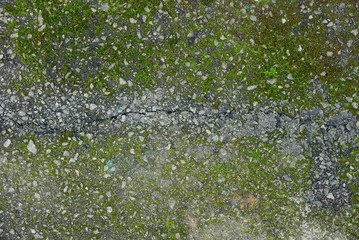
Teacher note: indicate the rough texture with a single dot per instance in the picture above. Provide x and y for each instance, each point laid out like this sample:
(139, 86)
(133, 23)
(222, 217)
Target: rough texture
(179, 120)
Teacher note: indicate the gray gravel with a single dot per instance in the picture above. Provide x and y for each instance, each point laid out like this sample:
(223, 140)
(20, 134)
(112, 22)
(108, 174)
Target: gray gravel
(48, 110)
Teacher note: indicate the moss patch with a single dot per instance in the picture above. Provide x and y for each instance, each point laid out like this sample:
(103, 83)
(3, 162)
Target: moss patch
(202, 47)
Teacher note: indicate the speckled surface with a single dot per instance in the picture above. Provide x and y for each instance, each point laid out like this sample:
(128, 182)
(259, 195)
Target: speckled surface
(179, 119)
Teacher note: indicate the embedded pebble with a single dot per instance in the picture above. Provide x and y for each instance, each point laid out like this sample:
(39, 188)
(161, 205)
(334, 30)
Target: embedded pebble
(252, 87)
(331, 196)
(7, 143)
(31, 147)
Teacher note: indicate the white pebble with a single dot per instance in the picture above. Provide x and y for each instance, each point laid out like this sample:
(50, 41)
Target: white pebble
(122, 81)
(109, 209)
(252, 87)
(93, 106)
(253, 18)
(31, 147)
(37, 196)
(329, 54)
(354, 32)
(38, 236)
(66, 153)
(105, 7)
(40, 19)
(7, 143)
(42, 28)
(355, 105)
(271, 81)
(14, 35)
(330, 196)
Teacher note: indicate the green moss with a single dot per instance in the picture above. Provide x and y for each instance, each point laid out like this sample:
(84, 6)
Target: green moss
(274, 53)
(350, 175)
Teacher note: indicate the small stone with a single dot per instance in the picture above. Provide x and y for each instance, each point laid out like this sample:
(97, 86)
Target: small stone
(105, 7)
(14, 35)
(271, 81)
(354, 32)
(42, 28)
(132, 20)
(38, 236)
(31, 147)
(330, 54)
(350, 43)
(93, 106)
(122, 81)
(330, 196)
(252, 87)
(7, 143)
(109, 209)
(172, 203)
(40, 19)
(355, 105)
(284, 20)
(290, 76)
(37, 196)
(253, 18)
(66, 153)
(22, 113)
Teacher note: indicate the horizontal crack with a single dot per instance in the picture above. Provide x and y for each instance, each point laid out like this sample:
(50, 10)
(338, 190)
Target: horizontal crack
(166, 111)
(44, 127)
